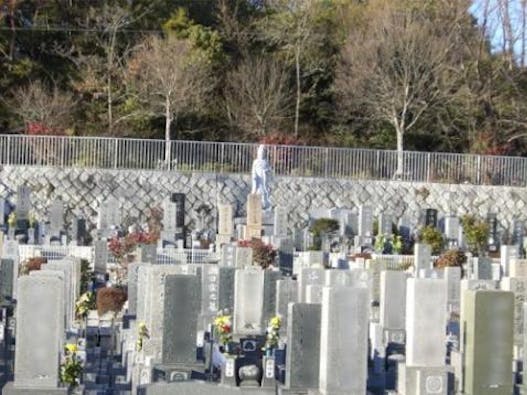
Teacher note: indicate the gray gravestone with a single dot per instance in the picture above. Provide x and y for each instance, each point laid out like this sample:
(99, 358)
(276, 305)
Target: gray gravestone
(422, 257)
(518, 286)
(452, 276)
(225, 219)
(38, 346)
(249, 301)
(148, 253)
(23, 202)
(100, 256)
(182, 302)
(209, 293)
(179, 200)
(2, 212)
(286, 292)
(10, 251)
(385, 224)
(7, 276)
(365, 221)
(169, 218)
(70, 287)
(426, 312)
(228, 255)
(78, 231)
(481, 268)
(518, 268)
(314, 294)
(269, 308)
(337, 277)
(243, 257)
(488, 325)
(451, 228)
(303, 353)
(56, 218)
(286, 251)
(113, 212)
(150, 303)
(508, 253)
(393, 300)
(307, 277)
(280, 222)
(226, 289)
(343, 358)
(133, 279)
(48, 273)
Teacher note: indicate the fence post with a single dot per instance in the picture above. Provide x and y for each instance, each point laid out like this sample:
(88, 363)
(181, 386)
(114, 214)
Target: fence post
(222, 158)
(428, 164)
(478, 181)
(115, 152)
(378, 164)
(63, 151)
(326, 167)
(8, 153)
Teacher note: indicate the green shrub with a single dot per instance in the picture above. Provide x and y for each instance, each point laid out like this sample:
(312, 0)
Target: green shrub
(431, 236)
(320, 227)
(476, 233)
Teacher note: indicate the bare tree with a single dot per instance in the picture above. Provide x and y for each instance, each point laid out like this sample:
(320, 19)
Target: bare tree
(49, 110)
(257, 96)
(169, 77)
(103, 76)
(397, 68)
(293, 27)
(507, 31)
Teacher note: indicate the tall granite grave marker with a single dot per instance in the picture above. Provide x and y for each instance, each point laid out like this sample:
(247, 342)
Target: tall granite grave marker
(487, 319)
(302, 358)
(38, 346)
(344, 341)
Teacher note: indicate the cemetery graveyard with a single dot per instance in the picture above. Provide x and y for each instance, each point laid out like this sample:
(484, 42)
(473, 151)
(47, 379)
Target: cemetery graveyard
(356, 301)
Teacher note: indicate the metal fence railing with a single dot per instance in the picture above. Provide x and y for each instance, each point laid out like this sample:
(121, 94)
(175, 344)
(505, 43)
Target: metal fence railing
(223, 157)
(163, 256)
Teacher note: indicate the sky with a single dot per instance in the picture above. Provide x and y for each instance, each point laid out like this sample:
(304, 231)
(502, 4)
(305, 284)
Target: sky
(495, 18)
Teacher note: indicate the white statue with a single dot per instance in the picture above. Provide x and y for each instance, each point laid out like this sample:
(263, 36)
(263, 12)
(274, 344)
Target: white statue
(261, 172)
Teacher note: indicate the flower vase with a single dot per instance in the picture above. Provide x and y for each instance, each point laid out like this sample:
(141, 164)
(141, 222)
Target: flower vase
(75, 390)
(226, 348)
(269, 352)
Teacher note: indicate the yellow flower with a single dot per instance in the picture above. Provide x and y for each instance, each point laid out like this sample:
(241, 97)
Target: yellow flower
(142, 325)
(72, 348)
(276, 321)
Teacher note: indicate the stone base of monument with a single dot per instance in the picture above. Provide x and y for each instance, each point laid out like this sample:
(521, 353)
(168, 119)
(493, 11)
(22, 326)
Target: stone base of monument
(250, 376)
(413, 380)
(289, 391)
(199, 388)
(11, 389)
(174, 373)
